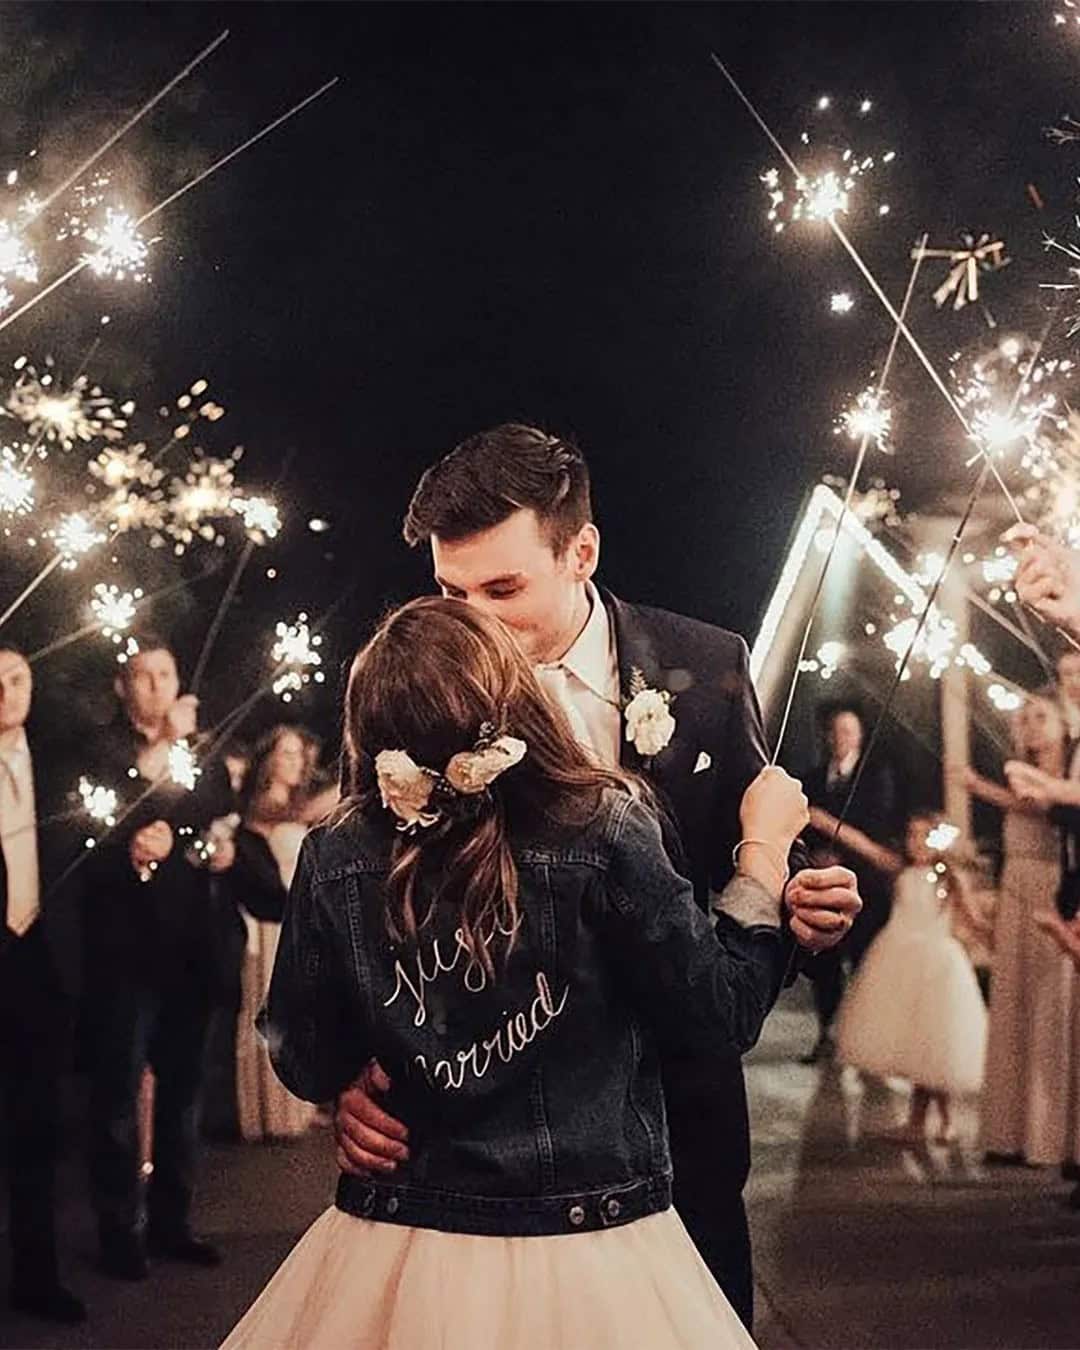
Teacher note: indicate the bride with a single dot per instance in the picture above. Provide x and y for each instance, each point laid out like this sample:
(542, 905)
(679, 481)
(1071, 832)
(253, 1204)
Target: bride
(494, 919)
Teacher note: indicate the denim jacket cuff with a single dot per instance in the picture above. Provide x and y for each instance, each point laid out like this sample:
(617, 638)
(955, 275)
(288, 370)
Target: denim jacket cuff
(748, 903)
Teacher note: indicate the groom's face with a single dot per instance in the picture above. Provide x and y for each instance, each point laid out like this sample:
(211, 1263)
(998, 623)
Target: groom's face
(512, 572)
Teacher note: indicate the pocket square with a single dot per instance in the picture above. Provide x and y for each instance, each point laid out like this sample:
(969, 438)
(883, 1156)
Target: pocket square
(704, 761)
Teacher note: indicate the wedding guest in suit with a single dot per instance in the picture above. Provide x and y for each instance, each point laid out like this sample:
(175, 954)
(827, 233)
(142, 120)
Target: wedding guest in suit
(282, 797)
(874, 811)
(150, 962)
(508, 518)
(35, 1007)
(494, 915)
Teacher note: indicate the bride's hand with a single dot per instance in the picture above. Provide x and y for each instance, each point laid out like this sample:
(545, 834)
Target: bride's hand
(774, 808)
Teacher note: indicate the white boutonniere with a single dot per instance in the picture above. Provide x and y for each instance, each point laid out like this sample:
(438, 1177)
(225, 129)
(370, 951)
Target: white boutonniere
(649, 722)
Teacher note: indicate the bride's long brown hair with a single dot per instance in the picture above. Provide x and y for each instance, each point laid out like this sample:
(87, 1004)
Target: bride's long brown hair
(435, 672)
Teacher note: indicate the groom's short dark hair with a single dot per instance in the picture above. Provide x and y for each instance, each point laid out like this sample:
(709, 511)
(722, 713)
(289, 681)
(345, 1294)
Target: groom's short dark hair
(488, 477)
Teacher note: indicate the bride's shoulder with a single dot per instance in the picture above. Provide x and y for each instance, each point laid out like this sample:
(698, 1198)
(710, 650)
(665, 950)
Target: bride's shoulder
(347, 843)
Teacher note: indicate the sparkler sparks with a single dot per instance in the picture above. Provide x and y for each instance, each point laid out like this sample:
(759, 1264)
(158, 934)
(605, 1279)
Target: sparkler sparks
(261, 518)
(942, 837)
(82, 412)
(841, 302)
(202, 496)
(118, 250)
(183, 768)
(868, 417)
(17, 259)
(74, 536)
(296, 653)
(114, 609)
(16, 486)
(823, 191)
(974, 256)
(99, 802)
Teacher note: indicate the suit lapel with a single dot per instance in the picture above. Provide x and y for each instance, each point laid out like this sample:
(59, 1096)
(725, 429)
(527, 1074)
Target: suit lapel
(634, 650)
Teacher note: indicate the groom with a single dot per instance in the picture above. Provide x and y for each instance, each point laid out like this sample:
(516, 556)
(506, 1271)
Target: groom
(508, 517)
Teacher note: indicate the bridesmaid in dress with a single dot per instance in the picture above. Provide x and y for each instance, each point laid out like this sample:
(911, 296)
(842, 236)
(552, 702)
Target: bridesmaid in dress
(282, 798)
(1024, 1103)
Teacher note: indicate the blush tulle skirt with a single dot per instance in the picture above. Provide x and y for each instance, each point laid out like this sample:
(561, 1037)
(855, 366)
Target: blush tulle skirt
(356, 1284)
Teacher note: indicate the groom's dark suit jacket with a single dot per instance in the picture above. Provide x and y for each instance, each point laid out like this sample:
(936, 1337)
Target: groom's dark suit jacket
(717, 749)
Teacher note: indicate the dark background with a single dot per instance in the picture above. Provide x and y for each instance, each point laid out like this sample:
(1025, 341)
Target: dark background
(539, 212)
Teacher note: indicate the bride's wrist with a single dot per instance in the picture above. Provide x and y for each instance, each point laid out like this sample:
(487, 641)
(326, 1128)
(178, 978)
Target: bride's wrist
(764, 860)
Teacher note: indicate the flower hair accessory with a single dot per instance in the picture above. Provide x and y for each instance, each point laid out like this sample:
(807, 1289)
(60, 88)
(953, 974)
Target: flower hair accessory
(413, 792)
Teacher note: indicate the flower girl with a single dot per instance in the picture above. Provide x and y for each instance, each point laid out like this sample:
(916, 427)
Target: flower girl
(913, 1009)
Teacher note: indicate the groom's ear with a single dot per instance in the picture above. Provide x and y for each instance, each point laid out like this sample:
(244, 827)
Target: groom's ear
(585, 552)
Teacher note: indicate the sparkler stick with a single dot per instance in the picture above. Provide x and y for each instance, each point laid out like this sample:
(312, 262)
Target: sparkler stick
(28, 590)
(154, 210)
(68, 639)
(136, 117)
(901, 326)
(848, 498)
(219, 617)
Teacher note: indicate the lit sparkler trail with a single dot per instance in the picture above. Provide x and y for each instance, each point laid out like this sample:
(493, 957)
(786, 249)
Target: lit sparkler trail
(901, 325)
(119, 251)
(74, 271)
(849, 496)
(183, 766)
(133, 120)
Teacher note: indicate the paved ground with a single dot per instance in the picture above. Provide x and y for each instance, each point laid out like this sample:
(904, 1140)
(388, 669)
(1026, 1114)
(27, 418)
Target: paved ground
(860, 1243)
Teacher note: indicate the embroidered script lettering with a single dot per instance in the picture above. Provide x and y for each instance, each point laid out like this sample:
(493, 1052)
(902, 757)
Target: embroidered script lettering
(519, 1030)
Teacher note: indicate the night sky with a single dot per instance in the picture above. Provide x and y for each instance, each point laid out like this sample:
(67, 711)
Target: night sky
(547, 213)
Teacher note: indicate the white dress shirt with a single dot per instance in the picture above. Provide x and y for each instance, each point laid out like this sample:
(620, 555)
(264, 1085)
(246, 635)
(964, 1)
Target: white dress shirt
(585, 684)
(18, 835)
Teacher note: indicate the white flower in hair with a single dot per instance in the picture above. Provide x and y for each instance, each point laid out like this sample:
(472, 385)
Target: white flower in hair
(405, 788)
(471, 771)
(649, 723)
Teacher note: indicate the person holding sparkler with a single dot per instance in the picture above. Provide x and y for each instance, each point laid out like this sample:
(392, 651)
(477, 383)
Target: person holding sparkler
(508, 517)
(1024, 1106)
(149, 960)
(1048, 578)
(35, 1006)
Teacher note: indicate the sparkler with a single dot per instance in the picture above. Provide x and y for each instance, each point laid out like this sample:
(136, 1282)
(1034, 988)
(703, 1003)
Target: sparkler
(16, 486)
(81, 412)
(869, 419)
(296, 655)
(114, 610)
(261, 518)
(841, 303)
(74, 536)
(942, 837)
(76, 268)
(100, 803)
(183, 769)
(119, 251)
(975, 255)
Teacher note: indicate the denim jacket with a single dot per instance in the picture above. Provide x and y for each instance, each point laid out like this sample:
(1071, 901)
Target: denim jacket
(533, 1100)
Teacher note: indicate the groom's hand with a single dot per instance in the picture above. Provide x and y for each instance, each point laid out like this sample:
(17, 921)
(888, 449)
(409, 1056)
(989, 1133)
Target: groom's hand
(368, 1140)
(823, 903)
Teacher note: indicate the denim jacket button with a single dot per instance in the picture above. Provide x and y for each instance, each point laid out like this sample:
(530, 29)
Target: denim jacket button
(614, 1209)
(576, 1215)
(393, 1205)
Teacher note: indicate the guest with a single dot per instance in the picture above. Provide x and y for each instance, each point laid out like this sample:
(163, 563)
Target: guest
(914, 1009)
(873, 809)
(1068, 691)
(1024, 1097)
(283, 796)
(150, 966)
(495, 917)
(35, 1008)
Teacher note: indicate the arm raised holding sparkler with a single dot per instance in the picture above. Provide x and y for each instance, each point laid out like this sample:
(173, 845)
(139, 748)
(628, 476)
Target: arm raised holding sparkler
(1048, 579)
